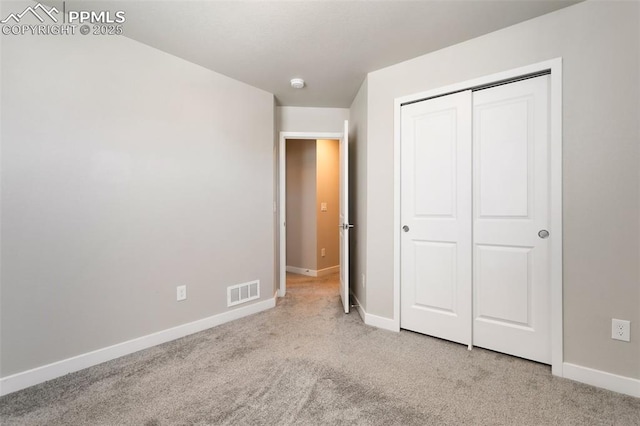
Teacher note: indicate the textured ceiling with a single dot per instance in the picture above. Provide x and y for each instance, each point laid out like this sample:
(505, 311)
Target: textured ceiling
(331, 44)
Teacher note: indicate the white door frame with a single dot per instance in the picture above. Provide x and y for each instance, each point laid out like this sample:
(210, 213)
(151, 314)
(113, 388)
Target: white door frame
(282, 194)
(554, 67)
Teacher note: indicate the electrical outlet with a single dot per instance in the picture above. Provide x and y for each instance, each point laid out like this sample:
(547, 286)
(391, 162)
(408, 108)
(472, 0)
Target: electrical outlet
(621, 330)
(181, 292)
(323, 252)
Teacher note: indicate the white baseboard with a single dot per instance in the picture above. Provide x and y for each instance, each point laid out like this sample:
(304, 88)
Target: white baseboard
(381, 322)
(313, 272)
(302, 271)
(327, 271)
(38, 375)
(375, 320)
(602, 379)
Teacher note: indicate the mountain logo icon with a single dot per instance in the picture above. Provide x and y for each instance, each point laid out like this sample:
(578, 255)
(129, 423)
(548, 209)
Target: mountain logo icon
(38, 11)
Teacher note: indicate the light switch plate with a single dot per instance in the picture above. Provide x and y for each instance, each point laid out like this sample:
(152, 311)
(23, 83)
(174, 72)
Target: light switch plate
(181, 292)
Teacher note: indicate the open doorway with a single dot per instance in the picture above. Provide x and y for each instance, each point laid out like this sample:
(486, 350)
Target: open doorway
(322, 145)
(312, 187)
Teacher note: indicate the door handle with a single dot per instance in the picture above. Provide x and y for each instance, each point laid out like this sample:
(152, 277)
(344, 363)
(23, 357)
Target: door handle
(405, 228)
(543, 233)
(346, 226)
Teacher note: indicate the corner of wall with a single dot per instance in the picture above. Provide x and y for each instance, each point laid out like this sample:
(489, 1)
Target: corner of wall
(358, 130)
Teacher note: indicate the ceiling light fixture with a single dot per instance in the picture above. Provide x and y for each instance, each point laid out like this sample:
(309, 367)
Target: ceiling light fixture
(297, 83)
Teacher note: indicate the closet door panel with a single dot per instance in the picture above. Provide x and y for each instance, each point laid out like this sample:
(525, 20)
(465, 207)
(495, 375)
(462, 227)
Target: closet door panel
(511, 295)
(436, 216)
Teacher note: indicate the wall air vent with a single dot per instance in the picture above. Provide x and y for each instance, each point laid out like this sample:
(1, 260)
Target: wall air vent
(242, 293)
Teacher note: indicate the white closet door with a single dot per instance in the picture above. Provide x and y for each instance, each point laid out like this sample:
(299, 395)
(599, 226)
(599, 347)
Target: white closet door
(436, 217)
(511, 294)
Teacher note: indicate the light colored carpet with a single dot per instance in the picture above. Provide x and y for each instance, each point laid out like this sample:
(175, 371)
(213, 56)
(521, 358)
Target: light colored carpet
(307, 363)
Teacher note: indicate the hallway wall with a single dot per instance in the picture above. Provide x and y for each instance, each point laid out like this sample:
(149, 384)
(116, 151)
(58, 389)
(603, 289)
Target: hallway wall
(328, 192)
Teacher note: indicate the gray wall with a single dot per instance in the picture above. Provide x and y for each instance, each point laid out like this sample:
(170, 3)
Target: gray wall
(301, 216)
(600, 46)
(358, 193)
(306, 119)
(125, 172)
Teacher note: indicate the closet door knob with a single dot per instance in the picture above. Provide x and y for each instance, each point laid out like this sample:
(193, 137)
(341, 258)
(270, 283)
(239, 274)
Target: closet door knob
(405, 228)
(543, 233)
